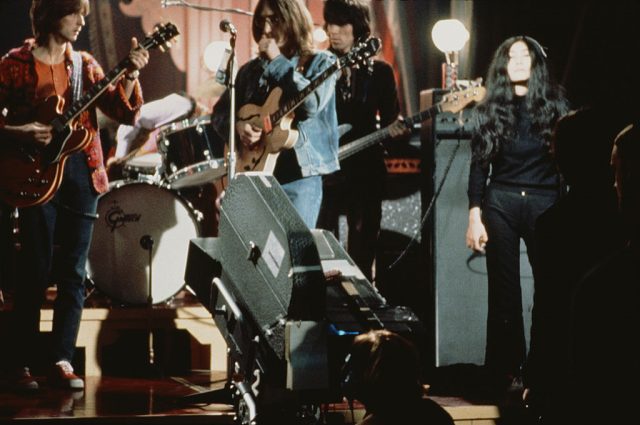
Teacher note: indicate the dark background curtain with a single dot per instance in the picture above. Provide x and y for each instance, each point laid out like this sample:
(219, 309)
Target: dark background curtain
(591, 43)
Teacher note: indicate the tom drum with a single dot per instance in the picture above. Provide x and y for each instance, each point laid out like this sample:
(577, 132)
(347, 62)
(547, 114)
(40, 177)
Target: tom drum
(191, 157)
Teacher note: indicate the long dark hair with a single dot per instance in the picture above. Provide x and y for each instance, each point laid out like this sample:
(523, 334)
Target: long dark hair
(381, 360)
(494, 119)
(295, 23)
(354, 12)
(46, 15)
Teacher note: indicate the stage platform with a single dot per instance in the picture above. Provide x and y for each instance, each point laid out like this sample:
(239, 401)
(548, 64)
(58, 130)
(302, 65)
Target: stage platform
(120, 400)
(189, 357)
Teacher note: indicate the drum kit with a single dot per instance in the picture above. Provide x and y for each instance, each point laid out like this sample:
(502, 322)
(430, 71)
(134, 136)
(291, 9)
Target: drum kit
(139, 249)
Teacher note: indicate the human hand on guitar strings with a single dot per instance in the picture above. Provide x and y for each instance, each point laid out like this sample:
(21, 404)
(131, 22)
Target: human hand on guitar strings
(249, 134)
(33, 132)
(398, 129)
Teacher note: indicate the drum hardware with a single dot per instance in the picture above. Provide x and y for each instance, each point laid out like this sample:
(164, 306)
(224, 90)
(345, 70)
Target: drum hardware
(147, 168)
(146, 242)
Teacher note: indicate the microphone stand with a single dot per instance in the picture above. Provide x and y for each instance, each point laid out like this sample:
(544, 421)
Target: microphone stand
(231, 84)
(167, 3)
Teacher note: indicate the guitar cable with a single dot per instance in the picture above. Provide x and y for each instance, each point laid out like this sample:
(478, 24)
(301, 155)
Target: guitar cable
(427, 213)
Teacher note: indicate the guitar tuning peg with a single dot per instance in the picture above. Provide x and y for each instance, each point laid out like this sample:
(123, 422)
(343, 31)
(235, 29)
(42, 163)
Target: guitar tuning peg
(162, 48)
(168, 45)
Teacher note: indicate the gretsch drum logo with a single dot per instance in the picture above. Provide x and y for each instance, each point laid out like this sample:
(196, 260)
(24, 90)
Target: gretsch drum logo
(117, 217)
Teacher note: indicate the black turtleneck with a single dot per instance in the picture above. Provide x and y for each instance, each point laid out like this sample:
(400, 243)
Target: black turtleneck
(523, 162)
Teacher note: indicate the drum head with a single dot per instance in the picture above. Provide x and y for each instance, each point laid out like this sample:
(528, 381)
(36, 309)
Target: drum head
(150, 160)
(140, 240)
(146, 168)
(192, 156)
(197, 174)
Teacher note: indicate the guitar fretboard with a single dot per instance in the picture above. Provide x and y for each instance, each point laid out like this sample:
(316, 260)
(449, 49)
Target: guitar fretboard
(294, 101)
(361, 144)
(359, 54)
(161, 36)
(89, 96)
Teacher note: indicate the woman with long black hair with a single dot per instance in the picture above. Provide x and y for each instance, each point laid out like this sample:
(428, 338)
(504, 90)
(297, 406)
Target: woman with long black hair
(512, 180)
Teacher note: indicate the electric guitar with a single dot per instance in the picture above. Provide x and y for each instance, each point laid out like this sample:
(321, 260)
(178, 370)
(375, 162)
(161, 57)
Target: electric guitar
(31, 175)
(452, 102)
(275, 116)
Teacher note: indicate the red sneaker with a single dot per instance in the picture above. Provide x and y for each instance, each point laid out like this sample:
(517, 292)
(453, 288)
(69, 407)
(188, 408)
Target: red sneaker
(62, 376)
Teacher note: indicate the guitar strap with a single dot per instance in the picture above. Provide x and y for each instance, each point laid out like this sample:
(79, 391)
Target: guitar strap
(76, 76)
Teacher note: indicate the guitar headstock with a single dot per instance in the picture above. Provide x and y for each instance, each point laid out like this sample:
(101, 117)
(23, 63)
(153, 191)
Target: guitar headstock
(161, 37)
(458, 100)
(361, 53)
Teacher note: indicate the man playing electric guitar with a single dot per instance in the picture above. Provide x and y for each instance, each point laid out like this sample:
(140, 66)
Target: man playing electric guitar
(43, 68)
(287, 62)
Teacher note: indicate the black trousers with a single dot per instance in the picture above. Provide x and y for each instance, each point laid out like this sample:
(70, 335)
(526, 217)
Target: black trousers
(361, 201)
(509, 214)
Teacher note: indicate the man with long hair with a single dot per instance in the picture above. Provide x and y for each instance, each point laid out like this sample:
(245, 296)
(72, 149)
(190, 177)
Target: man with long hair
(362, 95)
(286, 59)
(43, 67)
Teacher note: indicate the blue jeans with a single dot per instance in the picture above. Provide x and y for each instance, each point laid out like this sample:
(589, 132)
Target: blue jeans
(68, 220)
(306, 196)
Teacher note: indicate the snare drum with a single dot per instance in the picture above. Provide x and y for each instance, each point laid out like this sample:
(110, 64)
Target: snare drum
(147, 168)
(191, 157)
(138, 219)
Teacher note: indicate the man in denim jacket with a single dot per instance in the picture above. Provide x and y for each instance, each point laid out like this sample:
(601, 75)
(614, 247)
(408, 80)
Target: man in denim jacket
(283, 31)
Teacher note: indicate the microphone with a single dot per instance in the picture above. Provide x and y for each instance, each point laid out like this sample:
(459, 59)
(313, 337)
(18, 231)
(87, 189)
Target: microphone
(227, 26)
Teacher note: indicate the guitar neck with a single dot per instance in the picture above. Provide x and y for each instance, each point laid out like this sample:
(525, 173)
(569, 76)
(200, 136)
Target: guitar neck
(89, 96)
(378, 136)
(295, 101)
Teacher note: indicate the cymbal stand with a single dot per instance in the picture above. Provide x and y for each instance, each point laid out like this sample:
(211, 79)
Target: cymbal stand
(146, 242)
(231, 84)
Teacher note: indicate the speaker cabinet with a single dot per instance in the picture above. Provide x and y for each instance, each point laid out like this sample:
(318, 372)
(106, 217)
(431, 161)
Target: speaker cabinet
(401, 274)
(458, 278)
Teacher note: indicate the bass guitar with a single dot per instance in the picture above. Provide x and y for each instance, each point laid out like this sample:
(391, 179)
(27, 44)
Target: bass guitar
(275, 116)
(31, 175)
(452, 102)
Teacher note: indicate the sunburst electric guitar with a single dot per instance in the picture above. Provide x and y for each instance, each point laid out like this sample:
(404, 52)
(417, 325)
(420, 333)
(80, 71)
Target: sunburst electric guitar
(31, 175)
(275, 116)
(451, 102)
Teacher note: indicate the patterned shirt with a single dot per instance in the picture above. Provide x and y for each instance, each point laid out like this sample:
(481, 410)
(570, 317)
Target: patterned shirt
(18, 102)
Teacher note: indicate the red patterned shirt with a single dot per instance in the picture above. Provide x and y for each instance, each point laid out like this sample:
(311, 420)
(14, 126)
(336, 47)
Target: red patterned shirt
(18, 82)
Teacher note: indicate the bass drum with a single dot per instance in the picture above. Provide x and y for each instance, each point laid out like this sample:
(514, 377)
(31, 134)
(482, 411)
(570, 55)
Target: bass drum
(141, 240)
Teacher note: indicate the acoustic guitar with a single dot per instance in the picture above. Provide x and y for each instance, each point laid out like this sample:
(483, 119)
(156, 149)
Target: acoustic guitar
(30, 175)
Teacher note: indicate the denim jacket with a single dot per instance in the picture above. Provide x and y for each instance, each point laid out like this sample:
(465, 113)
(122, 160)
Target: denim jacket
(315, 119)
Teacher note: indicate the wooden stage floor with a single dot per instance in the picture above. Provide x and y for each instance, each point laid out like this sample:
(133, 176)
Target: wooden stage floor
(130, 395)
(121, 400)
(117, 400)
